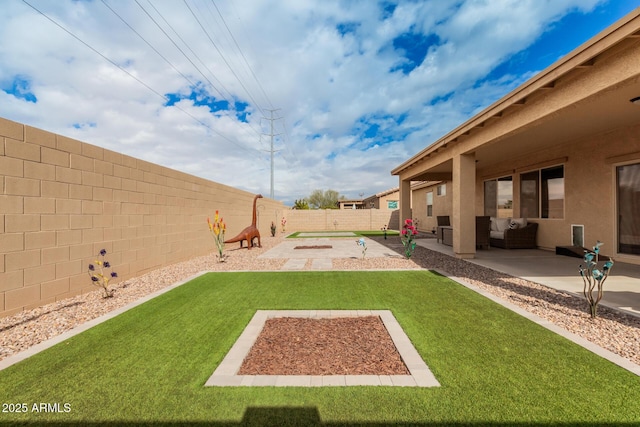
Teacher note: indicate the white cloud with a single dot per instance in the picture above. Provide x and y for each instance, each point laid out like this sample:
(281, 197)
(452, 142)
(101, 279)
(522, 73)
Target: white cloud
(322, 81)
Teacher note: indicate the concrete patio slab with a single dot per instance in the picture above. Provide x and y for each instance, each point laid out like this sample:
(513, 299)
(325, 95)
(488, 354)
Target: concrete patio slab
(621, 290)
(295, 264)
(341, 248)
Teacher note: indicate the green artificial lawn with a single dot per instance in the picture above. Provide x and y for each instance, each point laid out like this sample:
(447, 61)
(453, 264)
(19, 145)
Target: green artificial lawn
(364, 233)
(149, 365)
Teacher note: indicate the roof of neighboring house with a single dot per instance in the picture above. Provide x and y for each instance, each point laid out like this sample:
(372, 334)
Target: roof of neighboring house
(414, 186)
(583, 57)
(424, 184)
(386, 192)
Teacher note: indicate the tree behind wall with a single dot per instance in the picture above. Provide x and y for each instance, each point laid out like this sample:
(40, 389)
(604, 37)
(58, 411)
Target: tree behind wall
(301, 204)
(327, 199)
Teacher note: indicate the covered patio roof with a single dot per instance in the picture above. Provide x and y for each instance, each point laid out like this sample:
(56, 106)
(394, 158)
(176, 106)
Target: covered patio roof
(577, 96)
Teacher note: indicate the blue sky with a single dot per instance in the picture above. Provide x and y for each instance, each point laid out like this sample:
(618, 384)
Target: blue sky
(356, 87)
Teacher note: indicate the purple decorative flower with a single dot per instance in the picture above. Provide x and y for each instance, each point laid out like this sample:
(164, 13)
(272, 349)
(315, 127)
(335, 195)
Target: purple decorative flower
(99, 276)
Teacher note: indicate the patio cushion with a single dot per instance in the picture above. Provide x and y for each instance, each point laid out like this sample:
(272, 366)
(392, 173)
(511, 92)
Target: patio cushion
(496, 234)
(502, 224)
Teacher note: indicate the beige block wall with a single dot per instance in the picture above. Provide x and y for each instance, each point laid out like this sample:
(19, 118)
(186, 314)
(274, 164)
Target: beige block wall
(339, 220)
(590, 187)
(62, 200)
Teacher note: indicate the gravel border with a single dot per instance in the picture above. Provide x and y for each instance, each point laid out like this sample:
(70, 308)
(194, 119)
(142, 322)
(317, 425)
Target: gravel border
(615, 331)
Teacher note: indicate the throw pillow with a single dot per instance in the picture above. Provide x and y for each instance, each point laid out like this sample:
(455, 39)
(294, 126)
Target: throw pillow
(522, 222)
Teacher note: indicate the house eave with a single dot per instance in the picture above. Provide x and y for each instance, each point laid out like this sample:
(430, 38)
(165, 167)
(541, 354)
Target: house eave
(585, 56)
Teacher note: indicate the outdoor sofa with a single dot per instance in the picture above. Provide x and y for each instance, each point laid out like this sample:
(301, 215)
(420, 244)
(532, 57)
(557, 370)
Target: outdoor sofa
(513, 233)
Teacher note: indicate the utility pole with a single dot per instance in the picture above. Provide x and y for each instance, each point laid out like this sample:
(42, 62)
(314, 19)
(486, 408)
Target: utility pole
(272, 151)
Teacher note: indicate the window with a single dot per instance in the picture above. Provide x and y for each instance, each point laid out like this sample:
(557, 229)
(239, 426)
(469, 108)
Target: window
(529, 194)
(442, 190)
(430, 203)
(498, 197)
(542, 193)
(628, 192)
(552, 181)
(392, 204)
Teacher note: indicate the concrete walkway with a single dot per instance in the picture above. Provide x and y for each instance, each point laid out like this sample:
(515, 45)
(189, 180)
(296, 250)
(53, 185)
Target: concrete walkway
(321, 258)
(622, 288)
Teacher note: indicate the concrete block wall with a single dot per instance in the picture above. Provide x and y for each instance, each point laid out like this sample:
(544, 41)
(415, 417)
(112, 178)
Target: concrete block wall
(340, 220)
(63, 200)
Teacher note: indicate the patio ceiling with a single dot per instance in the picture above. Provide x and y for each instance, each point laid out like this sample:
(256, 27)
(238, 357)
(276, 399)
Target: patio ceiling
(605, 111)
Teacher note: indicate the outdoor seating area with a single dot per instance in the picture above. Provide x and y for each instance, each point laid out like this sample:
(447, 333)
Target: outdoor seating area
(444, 232)
(513, 233)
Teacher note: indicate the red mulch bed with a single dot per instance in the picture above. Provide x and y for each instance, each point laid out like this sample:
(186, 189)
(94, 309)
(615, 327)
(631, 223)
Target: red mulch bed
(339, 346)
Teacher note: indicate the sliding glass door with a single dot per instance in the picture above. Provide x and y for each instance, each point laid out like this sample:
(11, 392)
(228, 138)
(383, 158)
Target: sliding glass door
(628, 188)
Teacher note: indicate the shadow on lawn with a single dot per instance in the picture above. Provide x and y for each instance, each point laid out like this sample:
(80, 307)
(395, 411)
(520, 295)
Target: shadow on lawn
(428, 259)
(309, 416)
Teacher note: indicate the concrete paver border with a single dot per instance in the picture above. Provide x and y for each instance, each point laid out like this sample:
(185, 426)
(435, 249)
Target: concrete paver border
(225, 374)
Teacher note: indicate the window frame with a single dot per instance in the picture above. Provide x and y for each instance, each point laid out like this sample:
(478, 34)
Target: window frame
(621, 250)
(429, 205)
(495, 212)
(540, 202)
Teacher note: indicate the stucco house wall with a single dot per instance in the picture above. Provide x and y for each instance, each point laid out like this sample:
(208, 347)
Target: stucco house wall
(380, 200)
(442, 204)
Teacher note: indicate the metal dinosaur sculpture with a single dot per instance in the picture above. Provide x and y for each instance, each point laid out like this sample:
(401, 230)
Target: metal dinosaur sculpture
(249, 233)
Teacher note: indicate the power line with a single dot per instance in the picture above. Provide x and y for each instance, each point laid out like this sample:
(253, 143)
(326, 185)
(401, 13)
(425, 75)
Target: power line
(148, 44)
(178, 47)
(222, 96)
(242, 54)
(215, 25)
(135, 78)
(223, 57)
